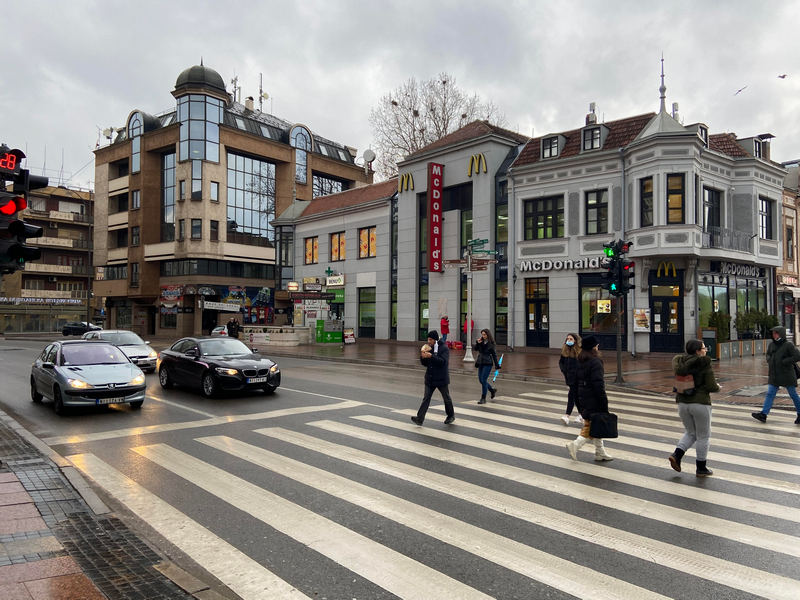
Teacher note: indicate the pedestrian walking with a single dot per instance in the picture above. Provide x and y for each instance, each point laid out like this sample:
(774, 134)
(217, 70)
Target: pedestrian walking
(444, 328)
(487, 358)
(229, 327)
(568, 363)
(592, 397)
(437, 377)
(694, 405)
(782, 357)
(467, 335)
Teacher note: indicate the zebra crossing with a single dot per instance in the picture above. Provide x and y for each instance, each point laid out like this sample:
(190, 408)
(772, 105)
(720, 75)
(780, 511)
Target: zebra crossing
(364, 504)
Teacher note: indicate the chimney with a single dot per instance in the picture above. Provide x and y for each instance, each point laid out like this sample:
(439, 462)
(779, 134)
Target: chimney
(248, 103)
(591, 118)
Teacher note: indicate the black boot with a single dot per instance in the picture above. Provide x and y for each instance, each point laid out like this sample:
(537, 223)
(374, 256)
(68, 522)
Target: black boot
(675, 459)
(482, 400)
(702, 470)
(492, 392)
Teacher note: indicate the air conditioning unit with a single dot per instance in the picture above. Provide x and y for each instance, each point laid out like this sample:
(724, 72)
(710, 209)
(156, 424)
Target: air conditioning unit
(52, 279)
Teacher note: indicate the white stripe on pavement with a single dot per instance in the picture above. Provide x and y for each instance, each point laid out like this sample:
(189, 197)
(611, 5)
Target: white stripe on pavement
(530, 562)
(235, 569)
(385, 567)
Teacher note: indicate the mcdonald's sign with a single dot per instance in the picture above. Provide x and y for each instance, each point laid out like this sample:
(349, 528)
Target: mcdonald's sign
(405, 182)
(666, 265)
(435, 187)
(475, 163)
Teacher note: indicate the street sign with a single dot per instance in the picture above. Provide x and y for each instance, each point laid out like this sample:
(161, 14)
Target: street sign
(477, 242)
(484, 251)
(483, 261)
(479, 268)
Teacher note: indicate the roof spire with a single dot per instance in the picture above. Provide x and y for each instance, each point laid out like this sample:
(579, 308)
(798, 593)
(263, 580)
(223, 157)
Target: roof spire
(201, 64)
(663, 88)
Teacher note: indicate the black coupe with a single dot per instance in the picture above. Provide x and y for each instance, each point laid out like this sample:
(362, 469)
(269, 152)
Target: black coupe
(216, 364)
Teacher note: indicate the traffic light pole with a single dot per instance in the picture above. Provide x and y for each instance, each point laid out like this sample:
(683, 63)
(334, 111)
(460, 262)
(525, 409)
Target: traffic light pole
(620, 316)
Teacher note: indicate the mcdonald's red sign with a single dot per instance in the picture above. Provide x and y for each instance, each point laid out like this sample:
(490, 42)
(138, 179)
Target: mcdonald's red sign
(435, 186)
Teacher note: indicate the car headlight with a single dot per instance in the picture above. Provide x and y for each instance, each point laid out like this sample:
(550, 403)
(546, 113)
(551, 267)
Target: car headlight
(223, 371)
(274, 369)
(152, 354)
(78, 384)
(138, 380)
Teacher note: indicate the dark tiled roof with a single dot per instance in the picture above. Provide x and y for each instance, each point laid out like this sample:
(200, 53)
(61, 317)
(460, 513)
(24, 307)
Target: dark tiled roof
(354, 197)
(620, 134)
(727, 144)
(470, 131)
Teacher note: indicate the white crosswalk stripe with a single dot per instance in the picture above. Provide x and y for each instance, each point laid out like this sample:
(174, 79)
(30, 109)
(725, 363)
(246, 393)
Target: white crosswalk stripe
(736, 535)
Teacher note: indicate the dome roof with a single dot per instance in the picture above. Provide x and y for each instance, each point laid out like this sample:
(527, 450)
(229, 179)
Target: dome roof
(200, 75)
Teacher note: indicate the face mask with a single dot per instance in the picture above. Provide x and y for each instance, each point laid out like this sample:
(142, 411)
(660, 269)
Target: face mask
(570, 343)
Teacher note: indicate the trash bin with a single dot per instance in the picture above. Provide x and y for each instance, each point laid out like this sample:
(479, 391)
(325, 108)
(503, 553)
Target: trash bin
(709, 337)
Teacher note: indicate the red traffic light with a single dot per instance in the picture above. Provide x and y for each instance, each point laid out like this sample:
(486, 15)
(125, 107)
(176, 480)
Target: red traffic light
(628, 266)
(13, 205)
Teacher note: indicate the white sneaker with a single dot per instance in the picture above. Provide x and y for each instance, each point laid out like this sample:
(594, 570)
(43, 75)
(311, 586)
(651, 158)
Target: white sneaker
(565, 418)
(573, 450)
(579, 419)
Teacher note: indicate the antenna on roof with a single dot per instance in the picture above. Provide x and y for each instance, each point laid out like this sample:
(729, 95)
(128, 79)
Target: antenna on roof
(663, 88)
(237, 89)
(369, 157)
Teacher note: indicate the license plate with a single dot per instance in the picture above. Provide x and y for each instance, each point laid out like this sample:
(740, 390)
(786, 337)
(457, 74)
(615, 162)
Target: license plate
(256, 380)
(110, 400)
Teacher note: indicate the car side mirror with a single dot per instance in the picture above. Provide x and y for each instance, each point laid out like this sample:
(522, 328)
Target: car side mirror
(148, 343)
(254, 350)
(192, 352)
(48, 365)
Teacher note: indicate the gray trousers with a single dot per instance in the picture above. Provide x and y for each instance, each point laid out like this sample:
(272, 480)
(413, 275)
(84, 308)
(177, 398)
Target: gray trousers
(697, 423)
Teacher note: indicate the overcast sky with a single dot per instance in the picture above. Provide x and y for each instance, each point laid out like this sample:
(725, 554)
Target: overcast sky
(74, 68)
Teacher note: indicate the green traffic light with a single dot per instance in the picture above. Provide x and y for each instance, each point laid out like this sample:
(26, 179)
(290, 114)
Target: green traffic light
(609, 252)
(613, 287)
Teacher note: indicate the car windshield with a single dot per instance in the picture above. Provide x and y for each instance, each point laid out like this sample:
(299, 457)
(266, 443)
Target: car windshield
(122, 338)
(91, 354)
(222, 347)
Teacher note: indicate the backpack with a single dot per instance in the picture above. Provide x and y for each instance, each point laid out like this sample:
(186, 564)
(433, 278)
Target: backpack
(684, 384)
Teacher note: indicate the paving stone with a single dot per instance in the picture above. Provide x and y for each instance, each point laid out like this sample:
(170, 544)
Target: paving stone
(67, 587)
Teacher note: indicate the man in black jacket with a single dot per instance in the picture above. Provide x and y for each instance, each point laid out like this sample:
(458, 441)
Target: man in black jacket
(782, 356)
(437, 376)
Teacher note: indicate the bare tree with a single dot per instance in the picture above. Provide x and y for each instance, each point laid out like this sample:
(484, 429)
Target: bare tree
(417, 114)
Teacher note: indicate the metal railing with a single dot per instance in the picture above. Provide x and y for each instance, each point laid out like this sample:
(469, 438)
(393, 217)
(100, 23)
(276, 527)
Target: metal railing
(727, 239)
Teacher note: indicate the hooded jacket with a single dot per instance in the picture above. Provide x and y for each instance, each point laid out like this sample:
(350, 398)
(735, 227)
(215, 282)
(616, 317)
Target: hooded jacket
(437, 372)
(704, 381)
(781, 357)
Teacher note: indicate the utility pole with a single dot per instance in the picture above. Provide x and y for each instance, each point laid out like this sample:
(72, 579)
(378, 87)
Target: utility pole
(468, 347)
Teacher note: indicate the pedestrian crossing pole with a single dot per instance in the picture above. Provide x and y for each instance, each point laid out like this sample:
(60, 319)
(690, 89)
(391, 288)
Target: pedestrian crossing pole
(468, 345)
(620, 316)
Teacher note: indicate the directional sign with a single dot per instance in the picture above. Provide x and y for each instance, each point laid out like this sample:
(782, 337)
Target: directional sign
(462, 262)
(477, 242)
(479, 268)
(484, 251)
(483, 261)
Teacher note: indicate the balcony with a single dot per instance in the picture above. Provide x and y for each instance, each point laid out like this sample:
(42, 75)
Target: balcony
(727, 239)
(118, 184)
(56, 215)
(72, 294)
(64, 243)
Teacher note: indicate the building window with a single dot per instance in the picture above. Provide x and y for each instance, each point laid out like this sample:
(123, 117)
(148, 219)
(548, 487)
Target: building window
(136, 199)
(322, 186)
(134, 274)
(168, 197)
(181, 229)
(197, 229)
(790, 243)
(597, 212)
(757, 148)
(300, 140)
(121, 238)
(544, 218)
(135, 130)
(765, 215)
(703, 133)
(182, 190)
(367, 243)
(135, 235)
(250, 200)
(197, 180)
(676, 196)
(591, 138)
(712, 208)
(213, 231)
(338, 246)
(646, 202)
(312, 249)
(215, 191)
(550, 147)
(200, 117)
(595, 317)
(366, 312)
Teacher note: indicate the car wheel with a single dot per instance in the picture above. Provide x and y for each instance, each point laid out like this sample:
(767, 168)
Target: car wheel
(58, 402)
(269, 389)
(136, 405)
(209, 385)
(35, 395)
(164, 378)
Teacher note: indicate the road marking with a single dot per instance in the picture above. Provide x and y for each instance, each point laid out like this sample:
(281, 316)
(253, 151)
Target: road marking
(235, 569)
(149, 429)
(516, 556)
(182, 406)
(393, 571)
(737, 532)
(747, 579)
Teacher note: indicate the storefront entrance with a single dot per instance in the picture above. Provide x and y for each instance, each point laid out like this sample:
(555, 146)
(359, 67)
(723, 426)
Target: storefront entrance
(666, 310)
(537, 303)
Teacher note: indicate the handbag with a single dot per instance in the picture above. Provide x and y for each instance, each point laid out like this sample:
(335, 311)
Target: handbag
(603, 425)
(796, 370)
(684, 384)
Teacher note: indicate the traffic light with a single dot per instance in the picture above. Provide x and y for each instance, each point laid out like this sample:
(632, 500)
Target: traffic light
(609, 262)
(626, 268)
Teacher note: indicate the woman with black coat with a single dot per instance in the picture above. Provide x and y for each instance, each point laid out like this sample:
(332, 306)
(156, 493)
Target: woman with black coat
(568, 363)
(486, 359)
(592, 397)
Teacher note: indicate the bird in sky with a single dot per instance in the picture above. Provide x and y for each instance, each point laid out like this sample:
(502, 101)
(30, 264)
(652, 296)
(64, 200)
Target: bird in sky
(782, 76)
(740, 90)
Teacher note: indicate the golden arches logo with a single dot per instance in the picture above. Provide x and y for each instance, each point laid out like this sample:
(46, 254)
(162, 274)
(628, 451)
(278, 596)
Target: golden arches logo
(405, 182)
(475, 163)
(666, 265)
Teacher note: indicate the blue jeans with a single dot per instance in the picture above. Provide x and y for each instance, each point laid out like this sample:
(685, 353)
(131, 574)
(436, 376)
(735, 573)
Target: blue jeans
(443, 339)
(483, 377)
(770, 397)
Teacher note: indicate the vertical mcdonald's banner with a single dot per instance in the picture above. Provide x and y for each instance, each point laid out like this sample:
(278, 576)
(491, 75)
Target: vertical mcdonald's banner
(435, 185)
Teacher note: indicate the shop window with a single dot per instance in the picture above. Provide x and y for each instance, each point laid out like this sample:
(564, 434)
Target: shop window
(366, 312)
(596, 212)
(367, 243)
(338, 246)
(311, 250)
(544, 218)
(711, 299)
(599, 310)
(676, 198)
(646, 202)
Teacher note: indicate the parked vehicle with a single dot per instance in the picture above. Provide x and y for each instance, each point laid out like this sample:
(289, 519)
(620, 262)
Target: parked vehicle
(216, 364)
(86, 373)
(78, 328)
(220, 330)
(139, 351)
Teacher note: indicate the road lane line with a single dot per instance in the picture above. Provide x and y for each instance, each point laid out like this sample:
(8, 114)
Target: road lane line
(182, 406)
(391, 570)
(149, 429)
(562, 574)
(687, 561)
(235, 569)
(737, 532)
